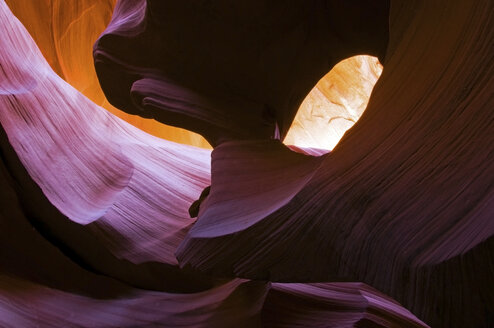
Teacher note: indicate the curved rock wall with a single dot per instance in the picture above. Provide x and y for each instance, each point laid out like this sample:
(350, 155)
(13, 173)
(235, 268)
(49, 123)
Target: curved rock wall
(65, 32)
(94, 212)
(236, 71)
(403, 203)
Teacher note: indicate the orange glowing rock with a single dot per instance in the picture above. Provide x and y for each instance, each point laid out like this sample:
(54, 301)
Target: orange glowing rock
(93, 208)
(65, 32)
(335, 103)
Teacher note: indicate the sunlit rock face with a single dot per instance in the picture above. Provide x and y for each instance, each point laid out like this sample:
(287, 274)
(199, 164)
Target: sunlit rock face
(65, 32)
(94, 218)
(246, 82)
(335, 103)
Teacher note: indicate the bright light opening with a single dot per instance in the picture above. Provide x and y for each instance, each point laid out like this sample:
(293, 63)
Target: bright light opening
(335, 103)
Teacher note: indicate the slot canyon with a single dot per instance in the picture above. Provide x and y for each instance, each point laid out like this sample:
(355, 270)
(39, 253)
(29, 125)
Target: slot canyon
(306, 163)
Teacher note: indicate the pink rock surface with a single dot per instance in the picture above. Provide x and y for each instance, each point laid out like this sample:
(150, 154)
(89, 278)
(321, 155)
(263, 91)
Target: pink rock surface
(94, 210)
(93, 166)
(24, 304)
(404, 203)
(333, 305)
(65, 32)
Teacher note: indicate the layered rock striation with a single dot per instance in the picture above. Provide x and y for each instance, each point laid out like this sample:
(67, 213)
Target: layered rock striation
(393, 228)
(93, 209)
